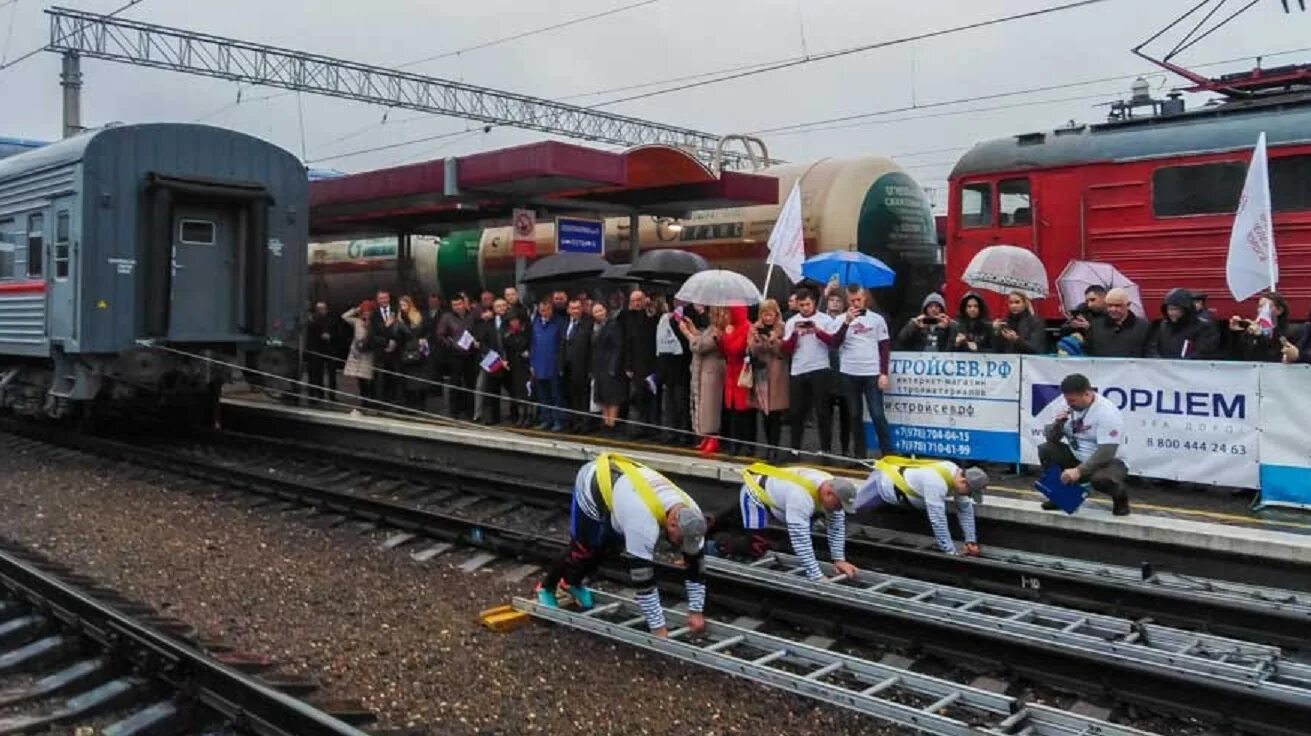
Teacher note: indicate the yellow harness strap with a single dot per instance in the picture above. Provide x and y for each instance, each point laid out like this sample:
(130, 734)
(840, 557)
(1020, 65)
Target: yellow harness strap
(892, 465)
(765, 470)
(633, 472)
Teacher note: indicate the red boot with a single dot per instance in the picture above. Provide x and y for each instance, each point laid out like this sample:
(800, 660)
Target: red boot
(711, 446)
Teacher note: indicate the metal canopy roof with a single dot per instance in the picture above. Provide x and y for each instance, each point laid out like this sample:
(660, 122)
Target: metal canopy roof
(551, 176)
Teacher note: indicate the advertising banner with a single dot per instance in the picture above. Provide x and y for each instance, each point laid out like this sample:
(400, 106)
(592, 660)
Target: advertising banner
(1285, 447)
(1194, 421)
(954, 405)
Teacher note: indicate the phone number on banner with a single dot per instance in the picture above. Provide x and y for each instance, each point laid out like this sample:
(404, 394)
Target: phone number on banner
(1218, 448)
(932, 441)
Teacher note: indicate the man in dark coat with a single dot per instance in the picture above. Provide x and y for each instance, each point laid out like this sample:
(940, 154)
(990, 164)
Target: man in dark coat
(489, 332)
(438, 359)
(1082, 316)
(463, 360)
(322, 336)
(931, 331)
(1180, 334)
(575, 357)
(386, 348)
(1118, 334)
(639, 328)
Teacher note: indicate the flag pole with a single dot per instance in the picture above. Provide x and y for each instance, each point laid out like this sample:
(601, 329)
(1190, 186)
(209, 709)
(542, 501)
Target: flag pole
(769, 274)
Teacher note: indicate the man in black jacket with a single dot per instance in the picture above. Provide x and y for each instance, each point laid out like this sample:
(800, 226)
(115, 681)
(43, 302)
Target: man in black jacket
(386, 348)
(575, 357)
(463, 359)
(1118, 334)
(322, 336)
(639, 327)
(1180, 335)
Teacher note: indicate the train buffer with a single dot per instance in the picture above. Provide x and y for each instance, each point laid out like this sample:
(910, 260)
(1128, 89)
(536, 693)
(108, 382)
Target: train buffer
(891, 694)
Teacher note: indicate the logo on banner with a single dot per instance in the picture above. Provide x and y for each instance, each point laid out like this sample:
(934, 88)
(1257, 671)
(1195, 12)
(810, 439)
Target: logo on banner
(1042, 395)
(1204, 404)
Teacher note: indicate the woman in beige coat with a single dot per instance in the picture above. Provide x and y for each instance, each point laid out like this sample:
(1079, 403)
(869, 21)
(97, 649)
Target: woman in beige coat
(359, 361)
(707, 377)
(771, 373)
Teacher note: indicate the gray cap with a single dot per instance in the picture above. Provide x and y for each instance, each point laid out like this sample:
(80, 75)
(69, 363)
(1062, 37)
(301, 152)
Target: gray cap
(692, 525)
(976, 480)
(845, 490)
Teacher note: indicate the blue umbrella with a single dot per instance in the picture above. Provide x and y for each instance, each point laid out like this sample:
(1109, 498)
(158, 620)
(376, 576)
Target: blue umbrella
(850, 267)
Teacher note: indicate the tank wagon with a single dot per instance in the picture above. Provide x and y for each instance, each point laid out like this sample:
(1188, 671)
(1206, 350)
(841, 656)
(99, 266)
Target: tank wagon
(131, 254)
(866, 204)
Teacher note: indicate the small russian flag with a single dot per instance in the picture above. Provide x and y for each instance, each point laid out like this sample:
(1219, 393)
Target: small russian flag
(492, 362)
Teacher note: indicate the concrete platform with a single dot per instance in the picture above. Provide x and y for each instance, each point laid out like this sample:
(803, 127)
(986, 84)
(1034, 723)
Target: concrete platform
(1284, 541)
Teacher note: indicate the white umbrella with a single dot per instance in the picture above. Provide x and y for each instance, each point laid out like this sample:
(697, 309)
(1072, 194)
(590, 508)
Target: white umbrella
(1006, 268)
(1079, 275)
(719, 288)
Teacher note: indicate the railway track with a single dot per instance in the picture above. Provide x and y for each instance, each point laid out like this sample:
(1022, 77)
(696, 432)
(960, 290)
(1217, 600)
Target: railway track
(76, 656)
(1183, 673)
(1226, 608)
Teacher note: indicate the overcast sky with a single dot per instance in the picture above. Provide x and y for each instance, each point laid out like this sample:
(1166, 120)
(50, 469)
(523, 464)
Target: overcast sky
(659, 40)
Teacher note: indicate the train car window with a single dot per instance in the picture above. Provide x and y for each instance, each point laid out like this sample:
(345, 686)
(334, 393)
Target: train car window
(62, 227)
(196, 232)
(976, 204)
(6, 257)
(36, 242)
(8, 249)
(1290, 183)
(1205, 189)
(1013, 202)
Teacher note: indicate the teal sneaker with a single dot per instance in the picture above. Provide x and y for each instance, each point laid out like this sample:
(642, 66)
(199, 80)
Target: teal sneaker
(546, 597)
(582, 595)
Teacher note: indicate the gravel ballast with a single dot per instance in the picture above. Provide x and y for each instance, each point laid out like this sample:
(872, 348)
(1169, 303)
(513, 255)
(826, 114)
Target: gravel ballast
(370, 624)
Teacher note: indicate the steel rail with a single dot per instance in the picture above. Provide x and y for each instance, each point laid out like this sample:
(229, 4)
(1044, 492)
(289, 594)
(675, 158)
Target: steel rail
(257, 708)
(1214, 695)
(892, 694)
(1268, 615)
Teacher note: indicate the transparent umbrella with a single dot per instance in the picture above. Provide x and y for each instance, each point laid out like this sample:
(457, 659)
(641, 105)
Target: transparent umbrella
(1006, 268)
(719, 288)
(1079, 275)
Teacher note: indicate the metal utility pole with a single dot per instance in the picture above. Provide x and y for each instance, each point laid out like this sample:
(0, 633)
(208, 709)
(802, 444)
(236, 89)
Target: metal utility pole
(71, 80)
(144, 44)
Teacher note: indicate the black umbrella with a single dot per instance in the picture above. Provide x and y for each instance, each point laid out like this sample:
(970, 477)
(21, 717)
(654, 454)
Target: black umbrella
(618, 272)
(668, 264)
(565, 267)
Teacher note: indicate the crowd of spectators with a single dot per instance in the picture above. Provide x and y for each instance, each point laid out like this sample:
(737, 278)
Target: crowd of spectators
(714, 377)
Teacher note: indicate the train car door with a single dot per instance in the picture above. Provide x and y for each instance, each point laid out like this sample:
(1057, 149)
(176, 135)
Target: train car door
(204, 273)
(61, 270)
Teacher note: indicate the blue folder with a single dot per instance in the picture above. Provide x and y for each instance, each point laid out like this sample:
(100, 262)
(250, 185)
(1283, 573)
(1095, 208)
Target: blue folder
(1068, 498)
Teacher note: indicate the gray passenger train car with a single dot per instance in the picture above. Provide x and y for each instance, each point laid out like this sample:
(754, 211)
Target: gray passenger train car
(144, 262)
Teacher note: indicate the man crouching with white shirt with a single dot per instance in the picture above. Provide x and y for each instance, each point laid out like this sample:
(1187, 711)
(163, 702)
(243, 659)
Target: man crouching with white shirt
(1083, 441)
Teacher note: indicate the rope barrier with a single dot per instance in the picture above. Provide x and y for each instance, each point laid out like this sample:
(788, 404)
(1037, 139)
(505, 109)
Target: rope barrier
(402, 412)
(786, 451)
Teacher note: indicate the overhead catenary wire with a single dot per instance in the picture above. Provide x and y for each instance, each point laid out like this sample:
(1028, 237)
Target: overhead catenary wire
(863, 48)
(531, 32)
(391, 146)
(828, 124)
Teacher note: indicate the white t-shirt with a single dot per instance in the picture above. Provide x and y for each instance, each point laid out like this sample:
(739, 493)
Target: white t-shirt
(811, 354)
(790, 502)
(630, 516)
(1100, 424)
(859, 352)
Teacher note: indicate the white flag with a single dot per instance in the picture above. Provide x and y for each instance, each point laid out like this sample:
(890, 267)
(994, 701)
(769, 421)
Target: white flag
(787, 243)
(1252, 265)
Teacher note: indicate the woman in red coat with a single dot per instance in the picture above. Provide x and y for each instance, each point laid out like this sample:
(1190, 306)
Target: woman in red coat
(739, 422)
